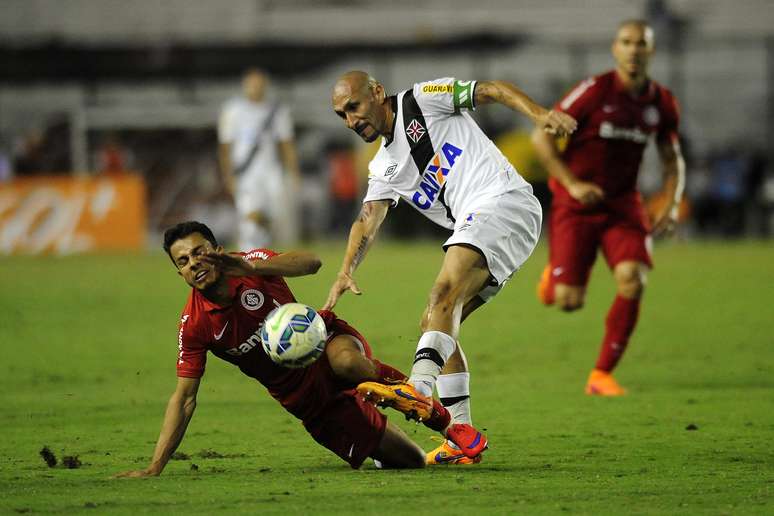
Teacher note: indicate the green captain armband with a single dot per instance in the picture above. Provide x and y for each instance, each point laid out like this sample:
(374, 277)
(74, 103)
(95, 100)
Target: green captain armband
(463, 95)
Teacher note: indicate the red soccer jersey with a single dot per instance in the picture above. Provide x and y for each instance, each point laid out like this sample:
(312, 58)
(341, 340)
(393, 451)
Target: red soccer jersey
(232, 333)
(613, 130)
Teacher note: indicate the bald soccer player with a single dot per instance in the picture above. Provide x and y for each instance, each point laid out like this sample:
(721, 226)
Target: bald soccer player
(594, 182)
(435, 157)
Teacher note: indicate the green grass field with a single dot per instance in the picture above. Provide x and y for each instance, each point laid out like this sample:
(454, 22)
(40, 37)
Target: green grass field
(88, 363)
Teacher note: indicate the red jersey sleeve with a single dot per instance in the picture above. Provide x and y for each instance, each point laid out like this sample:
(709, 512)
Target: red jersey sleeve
(258, 254)
(191, 351)
(579, 102)
(670, 118)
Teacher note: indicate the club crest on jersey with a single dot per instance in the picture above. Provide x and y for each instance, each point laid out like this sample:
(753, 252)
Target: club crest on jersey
(415, 131)
(651, 116)
(434, 176)
(252, 299)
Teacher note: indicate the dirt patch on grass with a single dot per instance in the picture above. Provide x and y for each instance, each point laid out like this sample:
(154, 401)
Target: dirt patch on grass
(48, 457)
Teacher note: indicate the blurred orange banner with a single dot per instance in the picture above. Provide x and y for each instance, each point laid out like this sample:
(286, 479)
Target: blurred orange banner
(64, 215)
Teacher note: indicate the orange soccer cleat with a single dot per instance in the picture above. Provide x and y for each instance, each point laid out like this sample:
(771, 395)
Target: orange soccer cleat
(602, 383)
(545, 287)
(446, 454)
(401, 396)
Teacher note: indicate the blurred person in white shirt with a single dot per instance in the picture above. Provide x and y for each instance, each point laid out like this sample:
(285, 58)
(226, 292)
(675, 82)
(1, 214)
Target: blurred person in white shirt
(258, 163)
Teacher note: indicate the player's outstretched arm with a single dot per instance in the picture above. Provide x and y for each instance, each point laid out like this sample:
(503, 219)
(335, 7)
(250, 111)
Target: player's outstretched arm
(673, 171)
(180, 409)
(545, 146)
(507, 94)
(292, 263)
(361, 236)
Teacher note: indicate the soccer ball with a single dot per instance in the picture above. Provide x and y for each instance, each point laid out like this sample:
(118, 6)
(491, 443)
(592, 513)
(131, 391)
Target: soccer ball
(294, 335)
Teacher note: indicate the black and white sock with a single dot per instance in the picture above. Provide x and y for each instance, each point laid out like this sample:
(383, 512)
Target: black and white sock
(433, 350)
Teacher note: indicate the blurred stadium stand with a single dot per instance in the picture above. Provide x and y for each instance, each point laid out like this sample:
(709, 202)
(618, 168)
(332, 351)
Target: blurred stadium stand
(153, 74)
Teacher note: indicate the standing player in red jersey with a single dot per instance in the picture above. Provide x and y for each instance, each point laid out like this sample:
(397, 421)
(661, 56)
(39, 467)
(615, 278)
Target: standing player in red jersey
(231, 297)
(596, 204)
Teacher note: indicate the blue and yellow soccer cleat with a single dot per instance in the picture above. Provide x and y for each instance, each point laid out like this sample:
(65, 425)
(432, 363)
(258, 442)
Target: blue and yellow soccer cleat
(446, 454)
(401, 396)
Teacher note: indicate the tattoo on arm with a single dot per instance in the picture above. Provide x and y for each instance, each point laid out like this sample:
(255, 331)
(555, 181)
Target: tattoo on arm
(365, 212)
(361, 251)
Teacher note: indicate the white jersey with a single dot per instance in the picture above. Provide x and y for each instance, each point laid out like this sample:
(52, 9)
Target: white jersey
(439, 160)
(243, 124)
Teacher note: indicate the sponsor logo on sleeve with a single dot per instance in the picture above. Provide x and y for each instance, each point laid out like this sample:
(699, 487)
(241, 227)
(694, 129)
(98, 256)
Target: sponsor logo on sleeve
(391, 170)
(256, 255)
(180, 339)
(437, 88)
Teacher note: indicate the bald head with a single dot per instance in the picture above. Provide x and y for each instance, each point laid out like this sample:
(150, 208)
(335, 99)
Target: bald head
(632, 49)
(353, 82)
(361, 102)
(638, 26)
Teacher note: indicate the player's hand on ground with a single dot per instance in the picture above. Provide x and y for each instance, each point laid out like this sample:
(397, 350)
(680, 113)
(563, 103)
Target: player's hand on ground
(557, 123)
(140, 473)
(586, 193)
(229, 264)
(665, 222)
(343, 283)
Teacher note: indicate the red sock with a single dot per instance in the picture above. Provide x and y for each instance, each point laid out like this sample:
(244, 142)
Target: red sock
(387, 374)
(440, 418)
(619, 326)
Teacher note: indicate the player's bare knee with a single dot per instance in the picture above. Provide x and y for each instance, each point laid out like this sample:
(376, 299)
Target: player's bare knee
(630, 281)
(347, 362)
(569, 300)
(631, 289)
(443, 297)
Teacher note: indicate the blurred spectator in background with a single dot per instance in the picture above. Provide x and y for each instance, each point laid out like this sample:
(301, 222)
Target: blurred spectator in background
(44, 151)
(6, 171)
(257, 150)
(344, 187)
(729, 194)
(28, 155)
(112, 156)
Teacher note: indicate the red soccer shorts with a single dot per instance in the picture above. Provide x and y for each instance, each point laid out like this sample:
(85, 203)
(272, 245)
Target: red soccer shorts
(620, 228)
(348, 426)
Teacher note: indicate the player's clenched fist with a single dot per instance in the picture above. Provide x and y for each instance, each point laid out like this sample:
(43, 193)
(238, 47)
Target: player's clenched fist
(586, 193)
(558, 123)
(343, 283)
